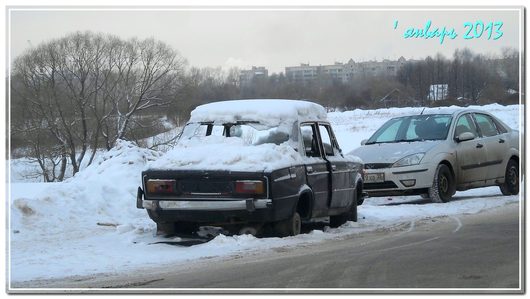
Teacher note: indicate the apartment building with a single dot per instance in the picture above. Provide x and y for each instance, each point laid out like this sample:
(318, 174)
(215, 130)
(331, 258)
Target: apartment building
(345, 72)
(246, 77)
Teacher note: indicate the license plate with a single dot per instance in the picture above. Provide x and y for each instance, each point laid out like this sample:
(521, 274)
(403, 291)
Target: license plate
(374, 177)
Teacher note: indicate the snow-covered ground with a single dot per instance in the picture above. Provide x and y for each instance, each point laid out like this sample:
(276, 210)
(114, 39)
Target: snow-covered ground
(89, 224)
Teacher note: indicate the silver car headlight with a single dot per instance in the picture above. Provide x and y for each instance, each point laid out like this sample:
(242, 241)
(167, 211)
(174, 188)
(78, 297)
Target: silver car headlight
(409, 160)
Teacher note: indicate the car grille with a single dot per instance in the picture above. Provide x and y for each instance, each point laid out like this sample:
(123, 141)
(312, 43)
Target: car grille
(377, 165)
(383, 185)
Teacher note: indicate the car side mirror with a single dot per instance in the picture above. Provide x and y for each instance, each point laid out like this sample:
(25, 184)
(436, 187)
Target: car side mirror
(363, 142)
(465, 136)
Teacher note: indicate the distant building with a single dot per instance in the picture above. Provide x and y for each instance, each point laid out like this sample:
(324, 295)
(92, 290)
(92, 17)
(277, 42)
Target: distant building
(246, 77)
(302, 73)
(438, 92)
(345, 72)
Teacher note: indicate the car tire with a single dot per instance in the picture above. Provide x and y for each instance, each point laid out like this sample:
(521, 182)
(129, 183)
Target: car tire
(511, 179)
(443, 186)
(290, 226)
(351, 215)
(359, 195)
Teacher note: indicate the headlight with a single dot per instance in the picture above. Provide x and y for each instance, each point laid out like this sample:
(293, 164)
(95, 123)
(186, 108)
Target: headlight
(409, 160)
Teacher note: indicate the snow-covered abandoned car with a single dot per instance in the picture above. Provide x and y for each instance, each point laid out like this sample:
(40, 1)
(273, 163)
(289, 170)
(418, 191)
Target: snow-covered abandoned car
(436, 153)
(246, 165)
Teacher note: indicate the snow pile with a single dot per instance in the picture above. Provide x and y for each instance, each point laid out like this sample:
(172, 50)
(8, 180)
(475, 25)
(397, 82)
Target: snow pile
(222, 153)
(267, 112)
(103, 193)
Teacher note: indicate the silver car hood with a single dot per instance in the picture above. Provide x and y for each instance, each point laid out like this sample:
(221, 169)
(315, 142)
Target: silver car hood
(392, 152)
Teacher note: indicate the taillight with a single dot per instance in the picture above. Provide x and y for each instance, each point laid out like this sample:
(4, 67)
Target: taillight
(160, 186)
(249, 187)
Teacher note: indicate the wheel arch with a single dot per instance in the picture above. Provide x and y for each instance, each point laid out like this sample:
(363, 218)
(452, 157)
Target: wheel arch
(359, 188)
(448, 164)
(304, 204)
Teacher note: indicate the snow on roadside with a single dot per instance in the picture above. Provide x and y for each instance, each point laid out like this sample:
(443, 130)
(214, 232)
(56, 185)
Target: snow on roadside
(89, 224)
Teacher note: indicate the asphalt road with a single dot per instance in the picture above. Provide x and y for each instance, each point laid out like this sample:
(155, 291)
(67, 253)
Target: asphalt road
(457, 253)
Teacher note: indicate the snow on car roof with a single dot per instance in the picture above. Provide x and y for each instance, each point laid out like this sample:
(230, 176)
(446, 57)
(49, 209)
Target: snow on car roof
(265, 111)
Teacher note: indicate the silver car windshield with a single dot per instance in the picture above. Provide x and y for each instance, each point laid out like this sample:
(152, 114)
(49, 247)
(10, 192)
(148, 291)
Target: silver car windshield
(252, 133)
(413, 128)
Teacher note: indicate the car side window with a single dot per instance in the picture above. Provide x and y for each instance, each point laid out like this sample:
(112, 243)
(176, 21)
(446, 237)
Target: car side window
(310, 140)
(500, 127)
(327, 143)
(486, 125)
(465, 124)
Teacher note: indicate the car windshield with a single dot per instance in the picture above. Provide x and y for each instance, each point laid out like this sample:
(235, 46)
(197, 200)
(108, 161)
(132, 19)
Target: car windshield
(413, 128)
(252, 133)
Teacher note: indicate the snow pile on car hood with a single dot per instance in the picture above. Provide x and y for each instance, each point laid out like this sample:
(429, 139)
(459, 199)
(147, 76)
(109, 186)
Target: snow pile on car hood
(267, 112)
(102, 193)
(226, 153)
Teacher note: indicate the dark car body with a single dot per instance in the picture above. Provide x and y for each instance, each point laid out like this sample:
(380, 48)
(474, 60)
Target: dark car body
(322, 183)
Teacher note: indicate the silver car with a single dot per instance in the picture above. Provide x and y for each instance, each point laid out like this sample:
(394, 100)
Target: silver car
(434, 155)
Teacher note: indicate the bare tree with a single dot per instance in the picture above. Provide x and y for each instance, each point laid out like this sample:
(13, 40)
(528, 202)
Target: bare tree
(86, 87)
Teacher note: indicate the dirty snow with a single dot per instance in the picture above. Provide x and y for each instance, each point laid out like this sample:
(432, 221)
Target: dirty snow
(89, 224)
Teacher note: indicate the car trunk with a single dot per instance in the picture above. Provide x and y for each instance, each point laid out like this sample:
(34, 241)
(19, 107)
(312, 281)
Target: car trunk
(203, 185)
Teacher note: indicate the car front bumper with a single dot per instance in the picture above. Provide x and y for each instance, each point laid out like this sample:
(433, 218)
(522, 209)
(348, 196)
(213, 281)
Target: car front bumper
(407, 180)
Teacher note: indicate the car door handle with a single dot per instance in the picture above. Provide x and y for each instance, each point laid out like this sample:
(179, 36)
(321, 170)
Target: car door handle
(333, 167)
(309, 169)
(501, 140)
(480, 145)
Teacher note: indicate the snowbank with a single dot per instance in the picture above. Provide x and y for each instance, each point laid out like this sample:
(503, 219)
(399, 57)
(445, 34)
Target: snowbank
(103, 193)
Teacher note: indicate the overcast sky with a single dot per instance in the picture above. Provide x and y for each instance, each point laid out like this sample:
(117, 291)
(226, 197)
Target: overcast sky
(273, 38)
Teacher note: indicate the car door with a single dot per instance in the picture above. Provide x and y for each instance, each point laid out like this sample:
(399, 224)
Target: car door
(470, 154)
(495, 143)
(317, 172)
(341, 172)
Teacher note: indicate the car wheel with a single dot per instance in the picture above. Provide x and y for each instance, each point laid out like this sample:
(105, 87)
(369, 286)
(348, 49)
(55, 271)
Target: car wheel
(359, 195)
(290, 226)
(443, 186)
(511, 179)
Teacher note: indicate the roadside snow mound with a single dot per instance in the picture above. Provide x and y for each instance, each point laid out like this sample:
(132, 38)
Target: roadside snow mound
(226, 153)
(103, 193)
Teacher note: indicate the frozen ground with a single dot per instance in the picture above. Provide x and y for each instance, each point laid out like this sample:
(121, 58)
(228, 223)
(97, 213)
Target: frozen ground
(89, 224)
